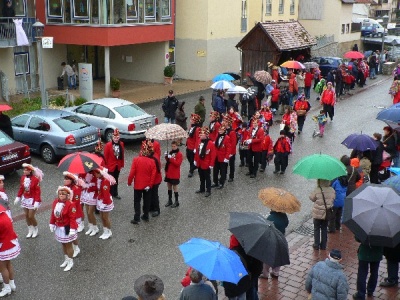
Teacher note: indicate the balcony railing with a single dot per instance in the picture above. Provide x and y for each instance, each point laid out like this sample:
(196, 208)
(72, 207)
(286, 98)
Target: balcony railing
(8, 37)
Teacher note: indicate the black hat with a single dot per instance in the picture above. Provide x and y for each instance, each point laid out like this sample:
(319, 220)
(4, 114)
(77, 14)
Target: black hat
(149, 287)
(335, 254)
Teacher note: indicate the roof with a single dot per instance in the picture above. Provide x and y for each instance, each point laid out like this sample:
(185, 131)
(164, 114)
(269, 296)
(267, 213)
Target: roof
(286, 36)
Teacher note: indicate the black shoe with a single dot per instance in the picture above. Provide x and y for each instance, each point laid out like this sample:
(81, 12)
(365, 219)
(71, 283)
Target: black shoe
(144, 218)
(230, 180)
(207, 194)
(370, 294)
(282, 172)
(246, 165)
(252, 176)
(155, 214)
(176, 204)
(214, 185)
(199, 192)
(262, 170)
(276, 172)
(220, 187)
(357, 296)
(134, 222)
(388, 283)
(241, 165)
(299, 132)
(169, 203)
(117, 197)
(315, 247)
(248, 174)
(190, 175)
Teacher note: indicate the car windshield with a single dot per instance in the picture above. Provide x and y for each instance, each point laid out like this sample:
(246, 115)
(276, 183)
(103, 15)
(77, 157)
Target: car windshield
(71, 123)
(130, 111)
(5, 139)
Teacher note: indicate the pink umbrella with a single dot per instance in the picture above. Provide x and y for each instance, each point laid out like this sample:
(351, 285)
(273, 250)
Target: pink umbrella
(353, 55)
(5, 107)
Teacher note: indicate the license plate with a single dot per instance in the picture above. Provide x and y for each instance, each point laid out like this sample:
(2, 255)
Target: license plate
(9, 157)
(88, 138)
(146, 125)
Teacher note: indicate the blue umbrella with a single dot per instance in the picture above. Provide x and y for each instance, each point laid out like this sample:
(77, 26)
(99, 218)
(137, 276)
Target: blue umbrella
(395, 170)
(213, 259)
(223, 76)
(394, 182)
(391, 114)
(361, 142)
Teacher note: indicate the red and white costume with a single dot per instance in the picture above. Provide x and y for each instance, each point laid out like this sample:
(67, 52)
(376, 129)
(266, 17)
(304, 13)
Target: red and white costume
(173, 167)
(63, 219)
(4, 196)
(29, 192)
(89, 194)
(9, 246)
(214, 127)
(104, 199)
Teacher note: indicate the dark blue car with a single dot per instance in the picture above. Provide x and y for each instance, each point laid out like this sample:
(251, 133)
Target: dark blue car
(327, 63)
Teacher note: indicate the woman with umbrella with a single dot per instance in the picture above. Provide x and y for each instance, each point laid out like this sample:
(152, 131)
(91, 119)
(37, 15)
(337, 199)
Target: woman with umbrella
(376, 159)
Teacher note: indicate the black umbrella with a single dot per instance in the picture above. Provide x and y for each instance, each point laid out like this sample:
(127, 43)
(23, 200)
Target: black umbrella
(259, 238)
(234, 75)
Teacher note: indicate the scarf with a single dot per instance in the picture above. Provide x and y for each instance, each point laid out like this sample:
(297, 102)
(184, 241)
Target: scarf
(219, 141)
(117, 148)
(212, 125)
(172, 153)
(192, 130)
(254, 132)
(157, 163)
(203, 148)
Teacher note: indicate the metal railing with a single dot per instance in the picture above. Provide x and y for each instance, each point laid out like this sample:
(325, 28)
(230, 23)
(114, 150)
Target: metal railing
(8, 33)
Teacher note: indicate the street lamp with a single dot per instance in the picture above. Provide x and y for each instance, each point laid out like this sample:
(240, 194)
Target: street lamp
(385, 22)
(39, 29)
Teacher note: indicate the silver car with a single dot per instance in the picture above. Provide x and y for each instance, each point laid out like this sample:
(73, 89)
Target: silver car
(54, 133)
(110, 113)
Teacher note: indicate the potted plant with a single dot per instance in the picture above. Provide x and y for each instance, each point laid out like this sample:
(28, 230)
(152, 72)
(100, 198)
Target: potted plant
(168, 74)
(115, 85)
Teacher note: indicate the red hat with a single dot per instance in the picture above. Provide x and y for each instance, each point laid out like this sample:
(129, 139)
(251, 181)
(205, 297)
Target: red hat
(233, 242)
(195, 117)
(204, 130)
(214, 114)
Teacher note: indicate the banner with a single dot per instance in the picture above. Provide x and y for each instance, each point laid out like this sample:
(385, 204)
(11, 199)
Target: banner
(85, 81)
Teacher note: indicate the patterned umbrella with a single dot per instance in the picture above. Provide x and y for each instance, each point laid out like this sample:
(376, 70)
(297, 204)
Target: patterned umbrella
(166, 131)
(263, 76)
(80, 162)
(293, 64)
(279, 200)
(311, 64)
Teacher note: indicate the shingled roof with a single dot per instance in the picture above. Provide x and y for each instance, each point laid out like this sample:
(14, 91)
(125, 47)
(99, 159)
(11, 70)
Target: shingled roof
(285, 35)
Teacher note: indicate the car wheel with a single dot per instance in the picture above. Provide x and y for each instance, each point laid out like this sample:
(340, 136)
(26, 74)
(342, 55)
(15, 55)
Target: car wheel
(108, 135)
(47, 154)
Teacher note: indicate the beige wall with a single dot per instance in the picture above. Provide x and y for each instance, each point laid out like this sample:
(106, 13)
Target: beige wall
(191, 19)
(7, 66)
(346, 16)
(275, 15)
(52, 59)
(148, 61)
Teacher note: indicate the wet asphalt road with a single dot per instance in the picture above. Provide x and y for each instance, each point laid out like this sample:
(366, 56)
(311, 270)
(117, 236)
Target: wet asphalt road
(108, 269)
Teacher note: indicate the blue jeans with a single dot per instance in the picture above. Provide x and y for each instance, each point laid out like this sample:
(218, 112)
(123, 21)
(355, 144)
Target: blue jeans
(291, 98)
(307, 92)
(372, 73)
(72, 81)
(396, 160)
(362, 287)
(169, 120)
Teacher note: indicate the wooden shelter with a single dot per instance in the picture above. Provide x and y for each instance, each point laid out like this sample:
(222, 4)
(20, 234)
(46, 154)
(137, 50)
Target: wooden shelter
(274, 42)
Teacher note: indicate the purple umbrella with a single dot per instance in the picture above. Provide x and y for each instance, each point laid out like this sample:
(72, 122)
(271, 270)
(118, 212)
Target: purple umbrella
(360, 142)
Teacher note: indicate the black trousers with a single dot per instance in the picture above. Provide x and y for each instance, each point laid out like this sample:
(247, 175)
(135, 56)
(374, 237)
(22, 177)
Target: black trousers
(155, 199)
(263, 161)
(220, 168)
(334, 223)
(243, 108)
(254, 161)
(232, 160)
(281, 161)
(373, 175)
(114, 188)
(300, 122)
(362, 286)
(243, 157)
(205, 180)
(320, 233)
(137, 197)
(329, 111)
(190, 158)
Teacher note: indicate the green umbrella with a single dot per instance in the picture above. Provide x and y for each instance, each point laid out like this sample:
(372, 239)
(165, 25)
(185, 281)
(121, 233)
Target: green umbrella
(320, 166)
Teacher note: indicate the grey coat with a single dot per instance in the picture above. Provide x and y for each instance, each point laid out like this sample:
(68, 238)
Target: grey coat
(326, 281)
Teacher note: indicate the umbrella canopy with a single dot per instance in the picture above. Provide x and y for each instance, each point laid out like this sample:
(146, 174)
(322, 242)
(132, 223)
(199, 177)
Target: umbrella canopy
(5, 107)
(395, 170)
(80, 162)
(320, 166)
(166, 131)
(259, 238)
(361, 142)
(213, 259)
(353, 55)
(391, 114)
(372, 213)
(234, 75)
(293, 64)
(368, 53)
(311, 64)
(263, 76)
(222, 85)
(237, 90)
(394, 182)
(279, 200)
(223, 76)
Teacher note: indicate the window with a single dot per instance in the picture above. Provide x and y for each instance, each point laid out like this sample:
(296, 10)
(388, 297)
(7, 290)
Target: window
(71, 123)
(80, 9)
(101, 111)
(55, 8)
(20, 121)
(281, 6)
(343, 28)
(292, 7)
(4, 139)
(130, 111)
(243, 27)
(38, 124)
(20, 8)
(131, 9)
(268, 7)
(85, 109)
(21, 63)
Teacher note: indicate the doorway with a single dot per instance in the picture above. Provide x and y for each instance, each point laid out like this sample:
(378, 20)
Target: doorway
(88, 54)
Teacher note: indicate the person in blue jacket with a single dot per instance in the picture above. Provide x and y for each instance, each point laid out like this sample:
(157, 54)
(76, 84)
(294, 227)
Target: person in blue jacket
(340, 186)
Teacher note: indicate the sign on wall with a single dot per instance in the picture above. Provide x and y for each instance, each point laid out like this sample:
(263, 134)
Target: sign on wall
(85, 81)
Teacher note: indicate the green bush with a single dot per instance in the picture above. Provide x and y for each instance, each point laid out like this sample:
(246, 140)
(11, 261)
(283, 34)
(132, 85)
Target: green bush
(58, 101)
(169, 71)
(20, 107)
(115, 84)
(79, 101)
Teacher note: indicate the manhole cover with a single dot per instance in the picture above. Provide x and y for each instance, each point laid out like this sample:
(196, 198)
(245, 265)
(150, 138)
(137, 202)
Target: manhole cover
(305, 230)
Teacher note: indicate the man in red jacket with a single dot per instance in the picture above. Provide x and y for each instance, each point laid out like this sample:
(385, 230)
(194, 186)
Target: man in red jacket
(143, 173)
(223, 152)
(192, 141)
(233, 135)
(114, 152)
(204, 160)
(282, 151)
(255, 147)
(214, 125)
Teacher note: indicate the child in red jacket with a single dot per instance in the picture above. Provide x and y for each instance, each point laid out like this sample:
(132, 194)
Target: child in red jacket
(244, 134)
(173, 164)
(267, 148)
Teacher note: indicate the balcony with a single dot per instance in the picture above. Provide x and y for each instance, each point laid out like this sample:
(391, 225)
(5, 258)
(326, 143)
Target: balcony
(8, 33)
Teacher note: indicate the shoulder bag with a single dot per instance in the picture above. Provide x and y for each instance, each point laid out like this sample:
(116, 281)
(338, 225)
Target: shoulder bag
(329, 211)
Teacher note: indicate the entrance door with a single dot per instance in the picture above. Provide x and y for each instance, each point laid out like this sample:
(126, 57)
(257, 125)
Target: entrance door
(89, 54)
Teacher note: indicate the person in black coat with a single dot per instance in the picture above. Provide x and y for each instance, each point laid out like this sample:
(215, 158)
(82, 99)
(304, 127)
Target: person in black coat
(393, 258)
(170, 105)
(5, 125)
(376, 158)
(389, 141)
(8, 10)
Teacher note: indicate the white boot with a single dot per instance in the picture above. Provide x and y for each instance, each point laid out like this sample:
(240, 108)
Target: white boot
(81, 226)
(107, 234)
(30, 232)
(95, 230)
(35, 231)
(13, 286)
(76, 250)
(70, 264)
(104, 233)
(64, 264)
(6, 290)
(90, 229)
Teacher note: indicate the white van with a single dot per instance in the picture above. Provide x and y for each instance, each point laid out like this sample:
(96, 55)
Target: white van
(371, 27)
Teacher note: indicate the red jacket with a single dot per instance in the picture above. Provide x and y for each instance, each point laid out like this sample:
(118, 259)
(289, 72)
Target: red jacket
(301, 105)
(214, 127)
(193, 140)
(103, 190)
(308, 79)
(267, 143)
(275, 93)
(224, 149)
(275, 75)
(209, 158)
(67, 216)
(76, 200)
(256, 139)
(173, 170)
(111, 160)
(33, 191)
(328, 97)
(143, 172)
(282, 145)
(7, 233)
(157, 150)
(233, 136)
(286, 119)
